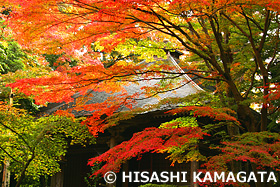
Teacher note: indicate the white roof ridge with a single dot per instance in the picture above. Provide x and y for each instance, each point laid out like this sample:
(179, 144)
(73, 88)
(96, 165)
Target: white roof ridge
(182, 71)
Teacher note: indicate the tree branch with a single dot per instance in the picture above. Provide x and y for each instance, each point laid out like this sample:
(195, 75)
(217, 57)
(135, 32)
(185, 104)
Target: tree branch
(265, 30)
(18, 134)
(9, 155)
(252, 81)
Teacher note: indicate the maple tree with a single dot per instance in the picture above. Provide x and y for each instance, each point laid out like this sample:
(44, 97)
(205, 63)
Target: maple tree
(256, 148)
(209, 34)
(30, 148)
(34, 147)
(152, 140)
(230, 45)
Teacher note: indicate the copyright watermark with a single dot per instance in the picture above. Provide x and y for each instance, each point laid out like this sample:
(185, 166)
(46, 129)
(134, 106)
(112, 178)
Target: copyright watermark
(163, 177)
(110, 177)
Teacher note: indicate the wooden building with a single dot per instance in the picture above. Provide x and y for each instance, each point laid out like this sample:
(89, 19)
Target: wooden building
(74, 167)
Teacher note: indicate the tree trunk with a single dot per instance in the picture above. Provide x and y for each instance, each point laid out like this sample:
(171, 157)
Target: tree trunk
(112, 144)
(246, 117)
(6, 174)
(264, 111)
(194, 168)
(22, 174)
(258, 183)
(6, 171)
(244, 112)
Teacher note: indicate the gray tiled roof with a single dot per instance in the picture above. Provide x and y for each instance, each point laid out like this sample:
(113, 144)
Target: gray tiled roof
(99, 97)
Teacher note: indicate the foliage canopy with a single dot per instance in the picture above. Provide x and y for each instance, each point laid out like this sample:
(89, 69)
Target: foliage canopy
(230, 46)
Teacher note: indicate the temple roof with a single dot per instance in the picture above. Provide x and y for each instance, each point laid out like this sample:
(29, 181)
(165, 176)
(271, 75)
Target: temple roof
(189, 87)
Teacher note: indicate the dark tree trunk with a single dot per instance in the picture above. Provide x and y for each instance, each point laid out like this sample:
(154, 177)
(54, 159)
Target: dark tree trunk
(22, 174)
